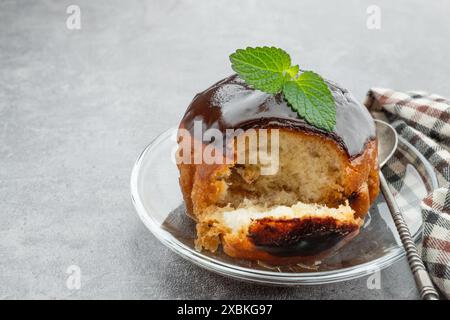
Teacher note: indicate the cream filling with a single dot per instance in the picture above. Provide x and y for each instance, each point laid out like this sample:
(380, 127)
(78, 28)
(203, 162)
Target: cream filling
(240, 218)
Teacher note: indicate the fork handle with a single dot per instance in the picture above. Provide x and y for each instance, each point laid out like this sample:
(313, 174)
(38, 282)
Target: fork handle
(421, 276)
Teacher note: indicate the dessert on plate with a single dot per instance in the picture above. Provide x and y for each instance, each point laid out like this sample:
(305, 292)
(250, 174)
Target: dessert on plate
(308, 205)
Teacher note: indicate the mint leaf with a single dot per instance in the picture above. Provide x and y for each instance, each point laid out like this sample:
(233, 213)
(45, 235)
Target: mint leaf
(269, 69)
(293, 71)
(311, 98)
(265, 68)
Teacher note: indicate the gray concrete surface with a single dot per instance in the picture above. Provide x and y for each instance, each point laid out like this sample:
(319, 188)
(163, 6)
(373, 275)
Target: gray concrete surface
(77, 107)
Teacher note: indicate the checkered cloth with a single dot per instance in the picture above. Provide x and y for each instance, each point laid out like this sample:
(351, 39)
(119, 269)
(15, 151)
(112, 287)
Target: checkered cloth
(424, 121)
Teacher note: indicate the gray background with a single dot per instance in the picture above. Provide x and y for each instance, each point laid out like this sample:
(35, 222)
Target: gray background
(77, 107)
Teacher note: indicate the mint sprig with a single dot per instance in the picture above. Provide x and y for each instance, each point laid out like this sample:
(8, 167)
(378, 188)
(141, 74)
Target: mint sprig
(269, 69)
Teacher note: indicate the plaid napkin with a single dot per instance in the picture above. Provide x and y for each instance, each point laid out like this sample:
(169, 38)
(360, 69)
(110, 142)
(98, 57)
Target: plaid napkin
(424, 121)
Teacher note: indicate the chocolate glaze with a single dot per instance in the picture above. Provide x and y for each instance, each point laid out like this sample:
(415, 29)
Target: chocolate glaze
(232, 104)
(299, 237)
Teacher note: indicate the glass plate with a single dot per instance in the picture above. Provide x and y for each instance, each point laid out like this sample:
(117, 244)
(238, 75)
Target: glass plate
(158, 201)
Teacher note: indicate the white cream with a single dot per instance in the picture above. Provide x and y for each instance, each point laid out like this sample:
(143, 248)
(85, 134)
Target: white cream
(242, 217)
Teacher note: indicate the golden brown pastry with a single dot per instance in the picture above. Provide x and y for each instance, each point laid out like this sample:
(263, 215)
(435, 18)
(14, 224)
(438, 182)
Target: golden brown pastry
(314, 202)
